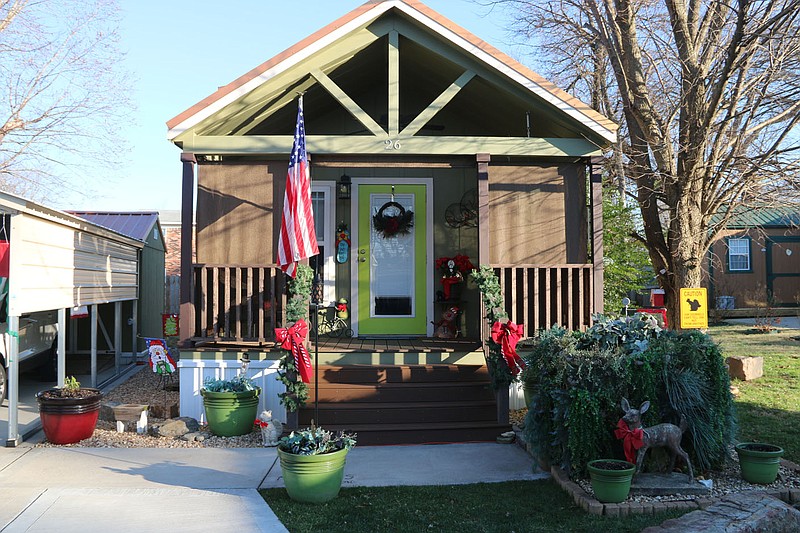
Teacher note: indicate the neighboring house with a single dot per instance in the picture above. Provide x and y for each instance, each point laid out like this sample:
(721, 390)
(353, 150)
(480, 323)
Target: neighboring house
(142, 226)
(756, 260)
(171, 225)
(402, 105)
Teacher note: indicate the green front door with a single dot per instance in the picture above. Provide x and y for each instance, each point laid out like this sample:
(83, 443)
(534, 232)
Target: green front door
(392, 297)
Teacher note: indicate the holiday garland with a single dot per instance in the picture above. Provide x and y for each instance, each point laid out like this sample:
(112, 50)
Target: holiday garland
(391, 225)
(492, 295)
(296, 308)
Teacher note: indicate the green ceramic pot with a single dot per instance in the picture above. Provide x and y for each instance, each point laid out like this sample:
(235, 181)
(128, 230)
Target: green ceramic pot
(312, 478)
(611, 485)
(527, 392)
(759, 462)
(230, 414)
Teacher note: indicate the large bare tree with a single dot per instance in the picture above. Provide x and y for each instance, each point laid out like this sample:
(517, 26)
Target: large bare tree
(62, 95)
(707, 93)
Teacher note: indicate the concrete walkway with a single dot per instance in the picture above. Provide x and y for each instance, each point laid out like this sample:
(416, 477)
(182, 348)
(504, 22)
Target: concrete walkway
(208, 489)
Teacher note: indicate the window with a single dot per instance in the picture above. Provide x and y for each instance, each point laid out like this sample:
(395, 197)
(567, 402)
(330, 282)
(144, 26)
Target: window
(739, 255)
(322, 204)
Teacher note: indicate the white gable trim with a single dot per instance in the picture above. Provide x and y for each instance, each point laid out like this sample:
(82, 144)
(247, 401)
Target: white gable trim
(284, 65)
(426, 21)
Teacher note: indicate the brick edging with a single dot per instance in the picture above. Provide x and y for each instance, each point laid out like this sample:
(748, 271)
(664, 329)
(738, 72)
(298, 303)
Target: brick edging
(590, 504)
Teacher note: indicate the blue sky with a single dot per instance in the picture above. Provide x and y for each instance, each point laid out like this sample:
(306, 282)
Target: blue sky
(180, 52)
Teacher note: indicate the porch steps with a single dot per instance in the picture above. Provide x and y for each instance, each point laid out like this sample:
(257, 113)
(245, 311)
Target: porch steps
(406, 404)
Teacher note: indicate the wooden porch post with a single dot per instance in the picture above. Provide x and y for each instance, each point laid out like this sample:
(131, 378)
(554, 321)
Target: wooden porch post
(501, 396)
(483, 208)
(186, 317)
(596, 183)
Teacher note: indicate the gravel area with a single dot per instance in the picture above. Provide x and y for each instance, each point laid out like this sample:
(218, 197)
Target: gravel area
(143, 387)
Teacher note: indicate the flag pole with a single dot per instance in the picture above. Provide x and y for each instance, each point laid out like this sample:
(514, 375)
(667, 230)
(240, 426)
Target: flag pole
(316, 288)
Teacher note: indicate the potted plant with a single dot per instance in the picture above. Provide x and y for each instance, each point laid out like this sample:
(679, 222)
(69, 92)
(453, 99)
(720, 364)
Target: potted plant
(611, 479)
(230, 405)
(69, 413)
(312, 463)
(759, 462)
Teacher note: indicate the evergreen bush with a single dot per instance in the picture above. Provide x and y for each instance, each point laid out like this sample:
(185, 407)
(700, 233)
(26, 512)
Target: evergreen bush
(577, 380)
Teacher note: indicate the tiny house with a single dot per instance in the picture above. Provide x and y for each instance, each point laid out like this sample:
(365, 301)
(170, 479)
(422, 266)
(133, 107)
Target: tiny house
(403, 109)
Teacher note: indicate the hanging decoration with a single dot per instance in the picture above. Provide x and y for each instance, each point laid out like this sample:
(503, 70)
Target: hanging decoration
(453, 270)
(463, 213)
(342, 243)
(393, 219)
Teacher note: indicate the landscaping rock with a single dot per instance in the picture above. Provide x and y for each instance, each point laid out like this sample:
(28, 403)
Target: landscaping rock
(195, 436)
(158, 411)
(745, 368)
(107, 411)
(648, 484)
(738, 513)
(176, 427)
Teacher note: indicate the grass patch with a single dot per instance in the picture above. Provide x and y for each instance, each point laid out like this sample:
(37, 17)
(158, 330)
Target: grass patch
(768, 408)
(518, 506)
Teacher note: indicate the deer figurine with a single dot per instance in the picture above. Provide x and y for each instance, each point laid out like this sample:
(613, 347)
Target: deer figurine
(660, 435)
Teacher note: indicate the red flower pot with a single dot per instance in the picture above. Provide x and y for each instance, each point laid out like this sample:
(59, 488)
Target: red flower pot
(69, 419)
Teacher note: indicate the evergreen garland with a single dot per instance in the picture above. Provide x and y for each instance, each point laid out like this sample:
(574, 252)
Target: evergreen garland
(492, 296)
(296, 308)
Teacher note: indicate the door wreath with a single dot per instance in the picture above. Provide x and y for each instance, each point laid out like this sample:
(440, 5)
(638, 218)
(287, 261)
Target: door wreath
(398, 223)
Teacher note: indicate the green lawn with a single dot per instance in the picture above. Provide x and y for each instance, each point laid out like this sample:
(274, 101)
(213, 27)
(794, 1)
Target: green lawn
(518, 506)
(768, 408)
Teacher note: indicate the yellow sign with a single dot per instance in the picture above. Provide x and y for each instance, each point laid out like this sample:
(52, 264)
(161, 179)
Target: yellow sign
(694, 309)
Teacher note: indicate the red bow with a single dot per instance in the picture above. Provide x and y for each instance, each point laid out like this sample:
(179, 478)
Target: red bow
(507, 335)
(341, 307)
(631, 439)
(292, 339)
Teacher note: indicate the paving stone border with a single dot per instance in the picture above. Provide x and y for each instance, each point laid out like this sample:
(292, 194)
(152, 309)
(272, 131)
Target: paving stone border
(591, 505)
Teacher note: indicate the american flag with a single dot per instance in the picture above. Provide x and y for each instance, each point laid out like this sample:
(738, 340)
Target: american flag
(298, 238)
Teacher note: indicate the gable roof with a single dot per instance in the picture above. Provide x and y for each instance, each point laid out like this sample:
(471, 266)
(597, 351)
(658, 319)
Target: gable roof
(455, 36)
(135, 224)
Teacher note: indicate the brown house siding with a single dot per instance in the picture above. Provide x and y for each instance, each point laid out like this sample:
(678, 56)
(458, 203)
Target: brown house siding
(235, 212)
(546, 205)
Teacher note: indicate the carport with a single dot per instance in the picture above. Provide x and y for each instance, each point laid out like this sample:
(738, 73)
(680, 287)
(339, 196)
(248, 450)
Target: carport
(60, 262)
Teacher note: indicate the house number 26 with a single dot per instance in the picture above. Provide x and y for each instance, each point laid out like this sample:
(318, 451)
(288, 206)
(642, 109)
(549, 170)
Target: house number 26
(389, 144)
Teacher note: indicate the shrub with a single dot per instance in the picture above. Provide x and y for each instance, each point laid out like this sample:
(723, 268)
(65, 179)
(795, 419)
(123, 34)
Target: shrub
(577, 380)
(236, 384)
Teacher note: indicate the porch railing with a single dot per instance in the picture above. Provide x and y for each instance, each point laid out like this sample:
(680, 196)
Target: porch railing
(540, 296)
(238, 303)
(245, 303)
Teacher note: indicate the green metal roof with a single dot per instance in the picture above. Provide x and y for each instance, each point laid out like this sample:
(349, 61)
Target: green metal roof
(763, 217)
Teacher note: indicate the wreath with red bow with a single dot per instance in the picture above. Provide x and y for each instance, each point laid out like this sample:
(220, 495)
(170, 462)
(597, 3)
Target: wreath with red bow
(399, 223)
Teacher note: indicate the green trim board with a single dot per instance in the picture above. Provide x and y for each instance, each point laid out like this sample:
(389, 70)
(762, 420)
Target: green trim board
(369, 144)
(369, 324)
